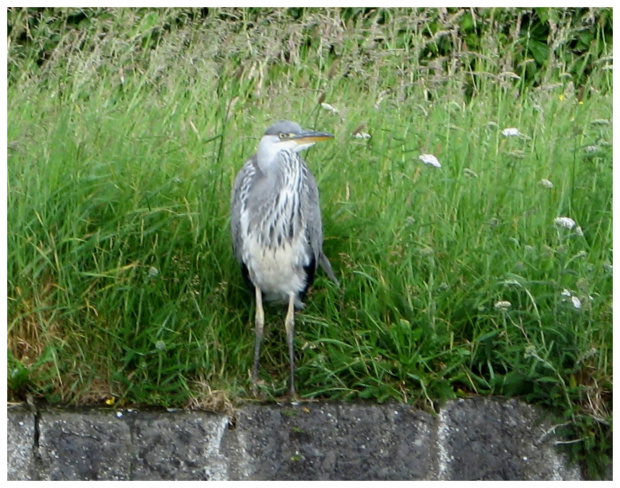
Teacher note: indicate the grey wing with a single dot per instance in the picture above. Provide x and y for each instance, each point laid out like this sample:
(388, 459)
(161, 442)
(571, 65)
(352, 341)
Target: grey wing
(239, 193)
(312, 213)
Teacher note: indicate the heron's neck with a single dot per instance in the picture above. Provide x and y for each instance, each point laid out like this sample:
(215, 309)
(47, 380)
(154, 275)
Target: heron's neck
(267, 161)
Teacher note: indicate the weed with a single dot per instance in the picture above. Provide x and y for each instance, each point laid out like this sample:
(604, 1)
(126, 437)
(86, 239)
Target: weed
(126, 128)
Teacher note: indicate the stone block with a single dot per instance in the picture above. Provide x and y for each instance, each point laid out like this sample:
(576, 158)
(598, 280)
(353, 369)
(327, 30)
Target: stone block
(333, 442)
(498, 439)
(179, 446)
(85, 445)
(20, 441)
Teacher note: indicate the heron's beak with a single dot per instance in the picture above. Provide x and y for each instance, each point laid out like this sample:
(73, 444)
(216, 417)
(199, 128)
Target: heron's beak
(310, 137)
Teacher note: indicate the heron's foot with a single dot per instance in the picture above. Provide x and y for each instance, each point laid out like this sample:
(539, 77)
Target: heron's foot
(293, 397)
(290, 397)
(257, 392)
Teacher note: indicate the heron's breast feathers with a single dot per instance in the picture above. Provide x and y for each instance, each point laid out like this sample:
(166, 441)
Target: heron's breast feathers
(274, 238)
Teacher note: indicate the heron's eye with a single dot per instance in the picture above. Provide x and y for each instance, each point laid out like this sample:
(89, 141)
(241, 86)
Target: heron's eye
(282, 135)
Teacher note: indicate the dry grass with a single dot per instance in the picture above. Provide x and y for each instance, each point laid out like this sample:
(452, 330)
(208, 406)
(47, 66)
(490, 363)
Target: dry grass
(126, 128)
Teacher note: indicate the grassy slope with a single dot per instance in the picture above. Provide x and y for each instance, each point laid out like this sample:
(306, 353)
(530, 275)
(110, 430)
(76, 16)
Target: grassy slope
(122, 283)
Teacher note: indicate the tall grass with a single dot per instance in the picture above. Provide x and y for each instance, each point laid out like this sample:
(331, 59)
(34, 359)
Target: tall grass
(123, 146)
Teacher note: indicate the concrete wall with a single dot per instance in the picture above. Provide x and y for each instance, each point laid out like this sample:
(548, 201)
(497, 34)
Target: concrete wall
(473, 439)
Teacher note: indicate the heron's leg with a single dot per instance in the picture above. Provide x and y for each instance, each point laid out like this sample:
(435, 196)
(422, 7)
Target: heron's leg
(259, 324)
(289, 323)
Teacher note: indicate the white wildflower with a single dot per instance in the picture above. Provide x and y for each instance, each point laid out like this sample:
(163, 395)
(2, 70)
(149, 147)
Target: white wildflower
(591, 149)
(565, 222)
(511, 132)
(574, 300)
(430, 160)
(361, 135)
(330, 108)
(502, 305)
(153, 271)
(160, 345)
(579, 231)
(545, 183)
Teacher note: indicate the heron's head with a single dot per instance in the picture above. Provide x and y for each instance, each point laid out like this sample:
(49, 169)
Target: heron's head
(288, 135)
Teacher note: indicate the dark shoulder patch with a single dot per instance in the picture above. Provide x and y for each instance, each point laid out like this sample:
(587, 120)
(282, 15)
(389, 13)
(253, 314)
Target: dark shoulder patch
(246, 277)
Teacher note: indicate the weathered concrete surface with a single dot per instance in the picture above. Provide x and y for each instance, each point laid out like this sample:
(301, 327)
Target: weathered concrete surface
(472, 439)
(480, 439)
(189, 442)
(90, 446)
(333, 442)
(20, 441)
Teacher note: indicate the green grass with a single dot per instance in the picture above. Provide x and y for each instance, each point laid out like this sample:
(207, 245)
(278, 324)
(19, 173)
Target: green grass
(123, 147)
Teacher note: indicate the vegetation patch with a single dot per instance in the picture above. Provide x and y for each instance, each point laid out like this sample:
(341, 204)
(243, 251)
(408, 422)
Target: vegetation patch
(466, 198)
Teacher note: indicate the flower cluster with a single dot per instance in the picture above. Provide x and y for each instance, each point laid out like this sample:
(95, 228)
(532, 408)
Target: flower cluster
(511, 132)
(430, 160)
(568, 223)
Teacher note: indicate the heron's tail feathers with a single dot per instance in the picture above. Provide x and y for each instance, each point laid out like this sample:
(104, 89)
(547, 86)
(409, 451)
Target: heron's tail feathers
(325, 264)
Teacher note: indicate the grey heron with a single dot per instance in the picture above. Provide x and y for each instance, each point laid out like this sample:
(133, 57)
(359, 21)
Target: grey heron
(276, 228)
